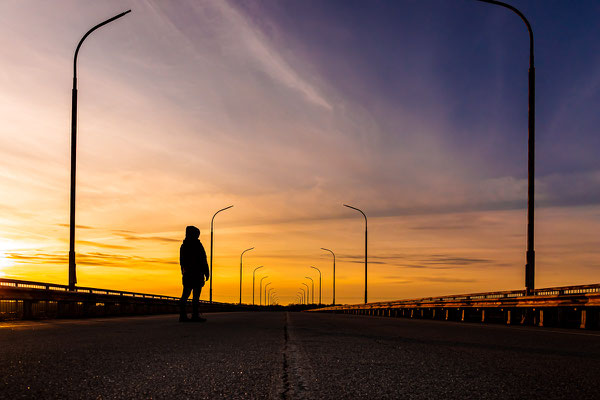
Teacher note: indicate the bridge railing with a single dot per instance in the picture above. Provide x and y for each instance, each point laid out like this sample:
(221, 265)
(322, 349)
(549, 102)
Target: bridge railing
(27, 299)
(15, 283)
(555, 306)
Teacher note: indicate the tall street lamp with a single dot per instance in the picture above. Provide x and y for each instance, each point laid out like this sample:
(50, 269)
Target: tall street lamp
(313, 289)
(241, 256)
(253, 275)
(212, 222)
(72, 265)
(319, 282)
(307, 292)
(260, 290)
(364, 215)
(530, 255)
(267, 285)
(333, 254)
(303, 296)
(269, 297)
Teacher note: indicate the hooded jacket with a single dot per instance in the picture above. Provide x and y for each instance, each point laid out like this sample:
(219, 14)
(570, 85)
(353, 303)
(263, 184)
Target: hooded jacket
(192, 256)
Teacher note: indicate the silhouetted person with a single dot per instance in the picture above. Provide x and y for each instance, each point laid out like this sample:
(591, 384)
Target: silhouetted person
(194, 269)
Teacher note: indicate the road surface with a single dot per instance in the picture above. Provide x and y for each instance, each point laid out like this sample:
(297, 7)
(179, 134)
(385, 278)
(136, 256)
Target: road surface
(294, 356)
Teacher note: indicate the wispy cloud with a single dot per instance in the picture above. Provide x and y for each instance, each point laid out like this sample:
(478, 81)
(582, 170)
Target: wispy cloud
(416, 261)
(241, 40)
(95, 259)
(265, 54)
(149, 238)
(103, 245)
(76, 226)
(441, 279)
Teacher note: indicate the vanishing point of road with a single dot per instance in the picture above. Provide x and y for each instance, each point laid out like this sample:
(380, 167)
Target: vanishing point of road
(279, 355)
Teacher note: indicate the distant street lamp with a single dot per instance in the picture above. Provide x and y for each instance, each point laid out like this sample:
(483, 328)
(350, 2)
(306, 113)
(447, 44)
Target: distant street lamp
(260, 290)
(332, 253)
(364, 215)
(319, 282)
(253, 275)
(307, 292)
(212, 222)
(269, 297)
(530, 254)
(313, 289)
(267, 285)
(241, 256)
(303, 296)
(72, 265)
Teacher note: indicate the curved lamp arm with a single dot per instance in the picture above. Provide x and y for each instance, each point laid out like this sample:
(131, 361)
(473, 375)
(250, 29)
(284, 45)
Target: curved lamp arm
(101, 24)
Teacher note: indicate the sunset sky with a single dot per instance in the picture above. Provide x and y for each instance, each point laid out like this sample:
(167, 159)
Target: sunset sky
(413, 111)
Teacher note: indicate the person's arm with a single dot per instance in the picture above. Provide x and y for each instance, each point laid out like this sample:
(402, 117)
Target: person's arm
(181, 259)
(204, 263)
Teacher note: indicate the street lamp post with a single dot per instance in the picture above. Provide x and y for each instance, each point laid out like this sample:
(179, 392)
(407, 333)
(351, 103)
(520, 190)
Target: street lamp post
(212, 222)
(253, 276)
(72, 265)
(307, 292)
(267, 285)
(260, 290)
(269, 297)
(530, 254)
(332, 253)
(319, 282)
(313, 289)
(242, 255)
(364, 215)
(303, 296)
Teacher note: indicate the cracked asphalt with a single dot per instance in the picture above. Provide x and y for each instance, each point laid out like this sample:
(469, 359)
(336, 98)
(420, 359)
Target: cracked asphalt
(293, 356)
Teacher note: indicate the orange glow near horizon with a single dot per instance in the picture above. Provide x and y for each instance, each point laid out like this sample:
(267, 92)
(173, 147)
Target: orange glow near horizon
(408, 257)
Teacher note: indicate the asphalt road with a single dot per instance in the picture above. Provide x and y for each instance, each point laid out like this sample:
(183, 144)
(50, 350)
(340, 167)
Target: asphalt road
(294, 356)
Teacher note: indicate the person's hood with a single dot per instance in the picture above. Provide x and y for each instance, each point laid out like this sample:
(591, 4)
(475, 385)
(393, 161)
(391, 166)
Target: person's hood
(192, 233)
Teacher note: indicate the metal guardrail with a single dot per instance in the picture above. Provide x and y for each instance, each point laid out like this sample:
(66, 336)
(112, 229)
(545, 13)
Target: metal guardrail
(27, 299)
(557, 305)
(15, 283)
(509, 294)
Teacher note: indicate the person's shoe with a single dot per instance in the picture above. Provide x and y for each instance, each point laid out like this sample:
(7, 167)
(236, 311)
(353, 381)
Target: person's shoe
(184, 318)
(198, 319)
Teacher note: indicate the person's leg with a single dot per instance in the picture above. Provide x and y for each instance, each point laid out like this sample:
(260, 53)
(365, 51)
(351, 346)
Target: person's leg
(182, 303)
(195, 302)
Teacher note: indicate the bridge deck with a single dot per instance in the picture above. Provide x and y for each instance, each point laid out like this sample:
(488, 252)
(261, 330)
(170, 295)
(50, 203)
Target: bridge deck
(293, 355)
